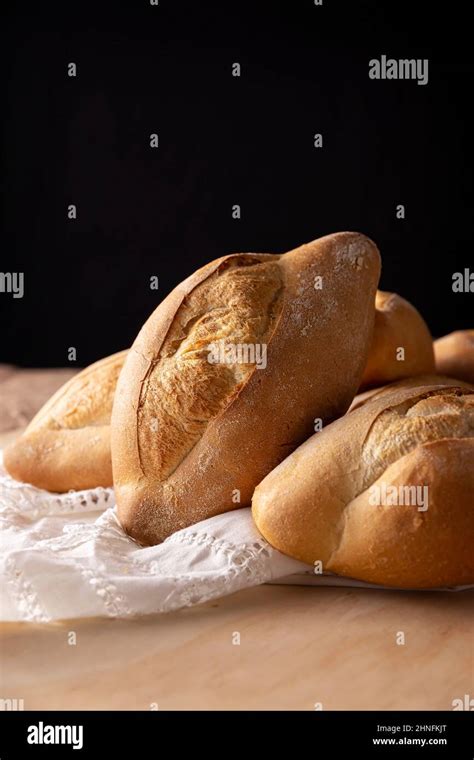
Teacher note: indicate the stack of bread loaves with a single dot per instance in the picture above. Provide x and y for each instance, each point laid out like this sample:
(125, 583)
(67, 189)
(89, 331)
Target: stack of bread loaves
(236, 369)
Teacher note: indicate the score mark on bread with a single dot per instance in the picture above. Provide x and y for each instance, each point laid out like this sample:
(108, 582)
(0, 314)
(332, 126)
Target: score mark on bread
(238, 304)
(316, 505)
(187, 434)
(67, 444)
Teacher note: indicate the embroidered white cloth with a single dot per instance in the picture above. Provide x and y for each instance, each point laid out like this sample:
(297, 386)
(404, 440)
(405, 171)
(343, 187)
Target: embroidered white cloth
(66, 556)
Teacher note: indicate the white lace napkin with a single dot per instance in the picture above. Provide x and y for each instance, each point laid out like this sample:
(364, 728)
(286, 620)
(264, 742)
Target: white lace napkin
(65, 556)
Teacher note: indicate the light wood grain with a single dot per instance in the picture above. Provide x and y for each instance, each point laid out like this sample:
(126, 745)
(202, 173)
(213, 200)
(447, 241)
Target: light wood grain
(24, 391)
(299, 646)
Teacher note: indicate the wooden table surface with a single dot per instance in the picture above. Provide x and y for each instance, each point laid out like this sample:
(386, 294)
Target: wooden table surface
(299, 647)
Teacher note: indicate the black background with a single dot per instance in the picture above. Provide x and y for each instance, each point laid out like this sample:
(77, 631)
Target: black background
(222, 141)
(344, 732)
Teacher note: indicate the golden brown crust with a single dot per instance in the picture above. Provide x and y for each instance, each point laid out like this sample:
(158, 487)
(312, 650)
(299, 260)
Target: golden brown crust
(67, 444)
(433, 549)
(183, 391)
(398, 325)
(328, 501)
(317, 342)
(407, 382)
(454, 354)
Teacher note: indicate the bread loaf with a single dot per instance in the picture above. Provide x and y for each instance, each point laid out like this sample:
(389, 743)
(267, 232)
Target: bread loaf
(407, 382)
(401, 345)
(454, 354)
(191, 435)
(384, 494)
(67, 444)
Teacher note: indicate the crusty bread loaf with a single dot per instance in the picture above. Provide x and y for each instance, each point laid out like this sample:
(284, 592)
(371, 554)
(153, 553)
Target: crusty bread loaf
(190, 438)
(407, 382)
(347, 497)
(398, 325)
(454, 355)
(67, 444)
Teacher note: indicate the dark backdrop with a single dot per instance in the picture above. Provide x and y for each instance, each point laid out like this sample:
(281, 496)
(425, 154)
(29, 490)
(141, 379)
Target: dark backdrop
(222, 141)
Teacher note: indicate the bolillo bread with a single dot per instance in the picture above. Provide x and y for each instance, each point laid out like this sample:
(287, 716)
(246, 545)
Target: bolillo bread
(190, 438)
(353, 496)
(407, 382)
(67, 444)
(397, 325)
(454, 354)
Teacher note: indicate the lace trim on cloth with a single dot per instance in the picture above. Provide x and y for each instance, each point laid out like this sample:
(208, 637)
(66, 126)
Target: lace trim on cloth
(243, 561)
(66, 555)
(26, 599)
